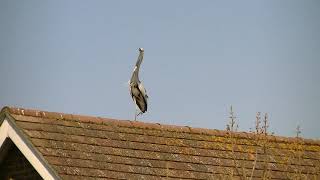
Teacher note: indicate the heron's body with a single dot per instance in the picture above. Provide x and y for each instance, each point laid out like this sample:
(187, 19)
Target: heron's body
(139, 97)
(138, 92)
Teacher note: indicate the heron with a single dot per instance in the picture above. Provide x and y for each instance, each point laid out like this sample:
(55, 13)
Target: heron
(137, 91)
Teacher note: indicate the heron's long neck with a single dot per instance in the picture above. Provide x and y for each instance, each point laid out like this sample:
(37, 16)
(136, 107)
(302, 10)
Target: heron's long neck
(139, 61)
(135, 74)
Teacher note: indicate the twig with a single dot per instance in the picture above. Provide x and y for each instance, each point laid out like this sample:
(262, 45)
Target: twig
(232, 127)
(254, 164)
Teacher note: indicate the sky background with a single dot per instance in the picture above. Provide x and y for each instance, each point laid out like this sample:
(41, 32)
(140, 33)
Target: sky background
(200, 57)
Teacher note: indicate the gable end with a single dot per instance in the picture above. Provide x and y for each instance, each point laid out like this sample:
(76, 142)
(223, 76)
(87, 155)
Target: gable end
(9, 130)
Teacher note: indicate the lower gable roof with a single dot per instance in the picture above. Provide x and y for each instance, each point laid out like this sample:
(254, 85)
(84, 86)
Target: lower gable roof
(84, 147)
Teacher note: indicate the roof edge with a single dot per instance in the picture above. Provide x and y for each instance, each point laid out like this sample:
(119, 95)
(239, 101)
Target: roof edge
(5, 115)
(139, 124)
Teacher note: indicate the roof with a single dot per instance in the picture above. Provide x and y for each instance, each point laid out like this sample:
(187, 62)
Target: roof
(85, 147)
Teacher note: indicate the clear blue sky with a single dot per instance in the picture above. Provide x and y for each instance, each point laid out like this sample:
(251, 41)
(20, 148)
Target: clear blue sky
(200, 58)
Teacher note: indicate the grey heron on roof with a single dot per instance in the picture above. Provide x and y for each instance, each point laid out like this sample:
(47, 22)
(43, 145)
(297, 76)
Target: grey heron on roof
(137, 91)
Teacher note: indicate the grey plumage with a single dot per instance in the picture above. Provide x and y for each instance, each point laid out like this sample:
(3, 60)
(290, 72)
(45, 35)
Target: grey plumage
(137, 91)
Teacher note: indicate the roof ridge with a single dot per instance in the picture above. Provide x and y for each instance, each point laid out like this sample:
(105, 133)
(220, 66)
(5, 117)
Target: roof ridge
(139, 124)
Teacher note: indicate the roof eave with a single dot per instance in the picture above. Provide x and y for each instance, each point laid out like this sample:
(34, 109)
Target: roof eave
(25, 142)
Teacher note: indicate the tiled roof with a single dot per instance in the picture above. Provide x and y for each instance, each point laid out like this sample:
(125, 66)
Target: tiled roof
(85, 147)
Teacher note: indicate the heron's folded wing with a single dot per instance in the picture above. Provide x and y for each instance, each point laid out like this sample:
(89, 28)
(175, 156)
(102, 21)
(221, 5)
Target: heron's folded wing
(143, 90)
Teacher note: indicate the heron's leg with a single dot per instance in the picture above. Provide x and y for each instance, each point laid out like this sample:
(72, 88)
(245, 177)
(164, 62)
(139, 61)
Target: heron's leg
(135, 114)
(136, 108)
(139, 113)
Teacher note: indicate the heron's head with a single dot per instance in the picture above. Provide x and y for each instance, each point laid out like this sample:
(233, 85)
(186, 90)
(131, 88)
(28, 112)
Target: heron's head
(141, 49)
